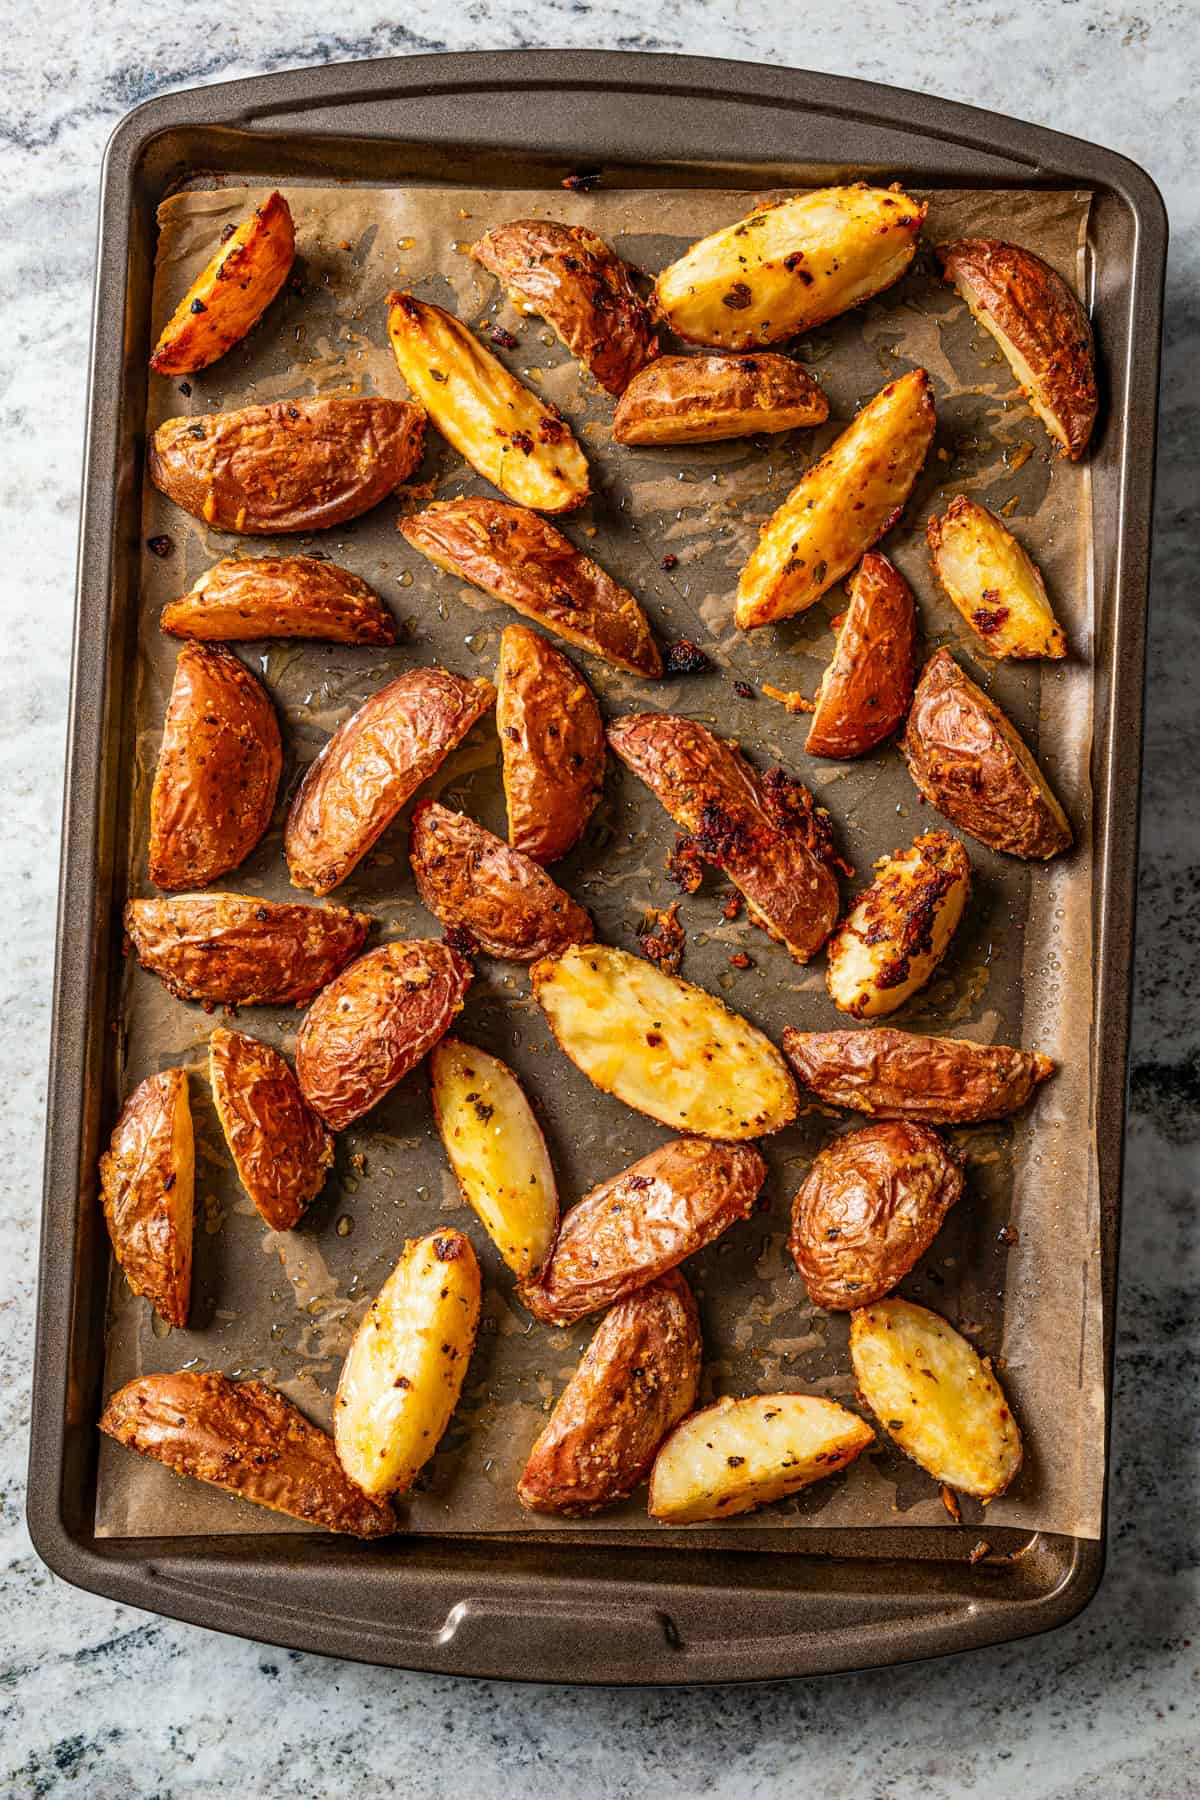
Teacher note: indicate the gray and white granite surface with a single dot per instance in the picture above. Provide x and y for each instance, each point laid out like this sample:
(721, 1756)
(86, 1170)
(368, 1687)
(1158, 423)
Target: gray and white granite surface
(98, 1701)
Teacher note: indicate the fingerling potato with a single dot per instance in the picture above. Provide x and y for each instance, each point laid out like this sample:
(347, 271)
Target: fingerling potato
(868, 687)
(231, 294)
(506, 903)
(237, 950)
(995, 585)
(147, 1187)
(740, 1454)
(280, 1148)
(551, 745)
(896, 1075)
(703, 399)
(899, 929)
(279, 597)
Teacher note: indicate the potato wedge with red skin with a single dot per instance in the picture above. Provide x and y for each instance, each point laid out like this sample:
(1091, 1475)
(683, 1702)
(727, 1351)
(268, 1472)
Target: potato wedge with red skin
(280, 1148)
(868, 687)
(504, 901)
(147, 1186)
(238, 950)
(638, 1378)
(366, 1030)
(247, 1440)
(994, 583)
(631, 1230)
(582, 289)
(218, 769)
(739, 1454)
(972, 763)
(232, 292)
(898, 930)
(1040, 326)
(897, 1075)
(251, 597)
(528, 564)
(705, 399)
(372, 766)
(551, 745)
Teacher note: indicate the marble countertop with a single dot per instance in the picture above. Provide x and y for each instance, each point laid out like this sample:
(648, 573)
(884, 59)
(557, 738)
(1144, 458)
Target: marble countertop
(100, 1700)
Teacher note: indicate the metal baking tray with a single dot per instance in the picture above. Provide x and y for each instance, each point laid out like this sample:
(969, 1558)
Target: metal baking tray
(548, 1609)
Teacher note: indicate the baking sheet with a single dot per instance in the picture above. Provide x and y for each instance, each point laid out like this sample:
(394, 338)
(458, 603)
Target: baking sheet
(284, 1306)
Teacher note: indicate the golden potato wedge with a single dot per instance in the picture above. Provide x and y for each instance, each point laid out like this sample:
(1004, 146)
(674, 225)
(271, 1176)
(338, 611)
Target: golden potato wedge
(528, 564)
(218, 769)
(250, 597)
(404, 1371)
(972, 763)
(248, 1440)
(147, 1186)
(237, 950)
(790, 265)
(372, 766)
(551, 743)
(740, 1454)
(280, 1148)
(868, 687)
(935, 1397)
(868, 1210)
(232, 293)
(294, 465)
(703, 399)
(366, 1030)
(497, 1151)
(895, 1075)
(1040, 326)
(582, 289)
(841, 506)
(995, 585)
(899, 929)
(761, 830)
(639, 1376)
(631, 1230)
(516, 440)
(504, 902)
(662, 1046)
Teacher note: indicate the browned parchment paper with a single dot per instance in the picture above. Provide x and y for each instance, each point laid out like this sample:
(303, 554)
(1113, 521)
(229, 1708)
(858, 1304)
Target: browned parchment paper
(285, 1306)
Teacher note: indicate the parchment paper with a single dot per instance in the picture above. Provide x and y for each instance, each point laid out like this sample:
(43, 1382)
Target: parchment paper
(284, 1306)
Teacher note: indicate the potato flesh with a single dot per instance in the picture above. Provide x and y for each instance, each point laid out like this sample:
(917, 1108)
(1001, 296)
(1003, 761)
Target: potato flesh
(899, 928)
(740, 1454)
(992, 581)
(232, 292)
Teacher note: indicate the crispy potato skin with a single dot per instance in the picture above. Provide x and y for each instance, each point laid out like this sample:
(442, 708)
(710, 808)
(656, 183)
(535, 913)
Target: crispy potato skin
(708, 787)
(248, 1440)
(280, 1148)
(580, 287)
(868, 1210)
(551, 743)
(842, 505)
(631, 1230)
(236, 950)
(868, 687)
(147, 1183)
(366, 1030)
(528, 564)
(218, 769)
(506, 902)
(896, 1075)
(245, 598)
(789, 265)
(232, 292)
(638, 1378)
(992, 581)
(703, 399)
(899, 929)
(970, 762)
(739, 1454)
(372, 766)
(294, 465)
(1040, 326)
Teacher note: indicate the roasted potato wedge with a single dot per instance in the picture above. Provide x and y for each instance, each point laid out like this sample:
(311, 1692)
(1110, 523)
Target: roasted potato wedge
(972, 763)
(279, 597)
(703, 399)
(248, 1440)
(995, 585)
(147, 1186)
(366, 1030)
(631, 1230)
(516, 440)
(1039, 325)
(280, 1148)
(237, 950)
(528, 564)
(789, 265)
(899, 929)
(841, 506)
(404, 1371)
(372, 766)
(895, 1075)
(504, 901)
(231, 294)
(294, 465)
(218, 769)
(935, 1397)
(497, 1151)
(761, 830)
(662, 1046)
(740, 1454)
(868, 1210)
(868, 687)
(580, 287)
(551, 743)
(639, 1376)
